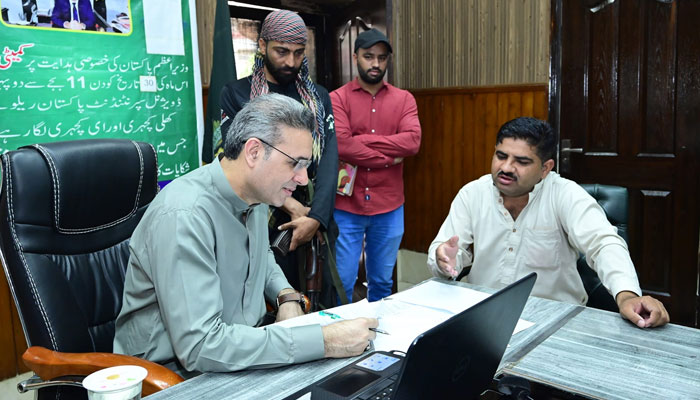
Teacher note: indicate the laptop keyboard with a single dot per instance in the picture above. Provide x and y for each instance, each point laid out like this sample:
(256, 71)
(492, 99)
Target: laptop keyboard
(385, 391)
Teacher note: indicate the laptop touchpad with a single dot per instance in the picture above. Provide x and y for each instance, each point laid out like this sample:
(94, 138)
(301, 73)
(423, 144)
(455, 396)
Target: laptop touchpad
(349, 381)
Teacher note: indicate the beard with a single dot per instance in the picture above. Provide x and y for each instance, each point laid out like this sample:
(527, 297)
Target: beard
(364, 75)
(284, 75)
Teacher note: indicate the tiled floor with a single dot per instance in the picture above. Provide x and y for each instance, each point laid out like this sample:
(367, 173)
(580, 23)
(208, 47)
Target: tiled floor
(8, 388)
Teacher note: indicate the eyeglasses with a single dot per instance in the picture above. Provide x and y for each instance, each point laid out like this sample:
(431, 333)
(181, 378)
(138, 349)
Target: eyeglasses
(299, 163)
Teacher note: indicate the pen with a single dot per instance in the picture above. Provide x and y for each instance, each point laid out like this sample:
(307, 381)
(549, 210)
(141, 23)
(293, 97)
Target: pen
(338, 317)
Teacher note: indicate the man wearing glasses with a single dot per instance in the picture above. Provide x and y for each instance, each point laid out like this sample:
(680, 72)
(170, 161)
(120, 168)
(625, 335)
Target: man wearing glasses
(201, 268)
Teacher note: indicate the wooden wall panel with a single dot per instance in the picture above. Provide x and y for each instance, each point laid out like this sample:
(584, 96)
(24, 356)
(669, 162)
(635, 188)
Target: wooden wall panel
(20, 341)
(459, 133)
(457, 43)
(7, 341)
(12, 343)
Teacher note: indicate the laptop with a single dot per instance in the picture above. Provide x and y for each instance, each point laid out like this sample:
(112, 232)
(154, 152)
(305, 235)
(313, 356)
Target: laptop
(455, 359)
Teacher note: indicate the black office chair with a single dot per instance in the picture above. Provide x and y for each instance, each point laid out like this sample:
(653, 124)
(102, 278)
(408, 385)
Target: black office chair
(67, 211)
(615, 202)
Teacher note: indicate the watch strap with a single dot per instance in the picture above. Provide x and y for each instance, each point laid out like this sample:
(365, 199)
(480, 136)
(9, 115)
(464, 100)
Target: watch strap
(296, 297)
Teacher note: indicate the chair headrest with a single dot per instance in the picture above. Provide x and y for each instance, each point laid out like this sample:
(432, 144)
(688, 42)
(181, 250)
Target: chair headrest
(121, 175)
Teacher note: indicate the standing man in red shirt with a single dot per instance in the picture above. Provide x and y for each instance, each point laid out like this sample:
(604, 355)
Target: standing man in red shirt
(377, 126)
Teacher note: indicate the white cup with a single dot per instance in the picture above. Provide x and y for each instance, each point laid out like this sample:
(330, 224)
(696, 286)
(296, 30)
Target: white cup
(116, 383)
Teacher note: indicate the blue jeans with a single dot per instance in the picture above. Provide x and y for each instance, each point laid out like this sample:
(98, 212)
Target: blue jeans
(382, 234)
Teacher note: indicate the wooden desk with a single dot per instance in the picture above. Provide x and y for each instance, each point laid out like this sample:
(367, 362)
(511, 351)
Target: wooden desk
(278, 383)
(597, 354)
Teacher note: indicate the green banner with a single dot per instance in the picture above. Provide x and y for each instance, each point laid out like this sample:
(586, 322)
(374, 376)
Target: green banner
(127, 71)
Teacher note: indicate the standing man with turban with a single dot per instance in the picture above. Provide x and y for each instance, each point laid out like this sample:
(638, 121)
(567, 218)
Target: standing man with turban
(282, 67)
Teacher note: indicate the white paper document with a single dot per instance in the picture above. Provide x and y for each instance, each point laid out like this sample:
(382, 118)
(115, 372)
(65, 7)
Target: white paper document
(404, 315)
(433, 294)
(162, 20)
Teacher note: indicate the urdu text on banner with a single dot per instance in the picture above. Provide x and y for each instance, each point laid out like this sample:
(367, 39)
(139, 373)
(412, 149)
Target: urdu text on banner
(81, 69)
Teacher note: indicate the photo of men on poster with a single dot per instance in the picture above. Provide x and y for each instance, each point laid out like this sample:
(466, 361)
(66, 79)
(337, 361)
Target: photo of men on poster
(83, 15)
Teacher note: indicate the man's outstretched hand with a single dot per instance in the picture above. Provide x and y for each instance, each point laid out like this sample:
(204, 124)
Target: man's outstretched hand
(446, 256)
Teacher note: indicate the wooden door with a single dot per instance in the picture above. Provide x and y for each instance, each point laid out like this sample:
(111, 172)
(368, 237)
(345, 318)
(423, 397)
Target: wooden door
(625, 89)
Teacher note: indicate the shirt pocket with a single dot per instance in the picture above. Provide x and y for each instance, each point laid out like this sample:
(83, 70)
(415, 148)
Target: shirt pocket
(540, 248)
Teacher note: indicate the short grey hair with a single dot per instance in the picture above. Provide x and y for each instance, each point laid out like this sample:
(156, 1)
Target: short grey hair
(262, 118)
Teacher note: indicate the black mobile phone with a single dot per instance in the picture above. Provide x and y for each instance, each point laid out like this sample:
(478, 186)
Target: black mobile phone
(280, 245)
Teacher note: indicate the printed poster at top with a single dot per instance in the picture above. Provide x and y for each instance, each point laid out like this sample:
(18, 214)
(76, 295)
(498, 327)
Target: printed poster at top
(80, 69)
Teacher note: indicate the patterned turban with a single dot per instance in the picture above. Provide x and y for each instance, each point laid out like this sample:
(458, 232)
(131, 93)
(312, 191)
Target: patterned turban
(284, 26)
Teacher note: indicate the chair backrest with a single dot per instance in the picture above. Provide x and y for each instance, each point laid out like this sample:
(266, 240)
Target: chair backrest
(615, 202)
(67, 211)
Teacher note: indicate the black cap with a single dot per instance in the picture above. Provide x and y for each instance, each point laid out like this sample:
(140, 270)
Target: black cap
(369, 38)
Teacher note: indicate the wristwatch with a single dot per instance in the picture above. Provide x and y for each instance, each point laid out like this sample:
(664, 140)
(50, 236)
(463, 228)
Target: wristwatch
(296, 297)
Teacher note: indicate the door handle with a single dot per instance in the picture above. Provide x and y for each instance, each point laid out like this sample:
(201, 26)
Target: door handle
(570, 150)
(564, 155)
(601, 5)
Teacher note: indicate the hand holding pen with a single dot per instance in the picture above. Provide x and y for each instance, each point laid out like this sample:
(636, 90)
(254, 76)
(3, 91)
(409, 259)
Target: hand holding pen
(346, 338)
(337, 317)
